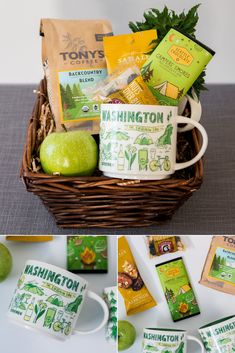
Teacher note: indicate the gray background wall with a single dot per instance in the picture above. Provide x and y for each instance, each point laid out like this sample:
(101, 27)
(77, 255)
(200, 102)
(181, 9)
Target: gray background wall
(20, 59)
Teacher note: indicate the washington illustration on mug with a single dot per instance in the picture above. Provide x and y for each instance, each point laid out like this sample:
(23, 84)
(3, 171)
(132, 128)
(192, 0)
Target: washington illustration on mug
(219, 336)
(49, 299)
(140, 141)
(164, 340)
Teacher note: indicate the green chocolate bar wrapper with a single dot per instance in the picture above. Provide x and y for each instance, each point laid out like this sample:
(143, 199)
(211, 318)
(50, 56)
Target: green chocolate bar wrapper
(87, 254)
(174, 66)
(178, 291)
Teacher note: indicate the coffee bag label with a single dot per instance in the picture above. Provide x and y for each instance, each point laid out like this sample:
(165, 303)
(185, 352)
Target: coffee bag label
(223, 266)
(74, 104)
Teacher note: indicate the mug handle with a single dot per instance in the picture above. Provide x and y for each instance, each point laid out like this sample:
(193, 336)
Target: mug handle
(184, 120)
(104, 306)
(192, 338)
(196, 111)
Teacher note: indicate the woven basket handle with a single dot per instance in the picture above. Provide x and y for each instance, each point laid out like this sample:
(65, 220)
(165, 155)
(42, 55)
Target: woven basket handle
(184, 120)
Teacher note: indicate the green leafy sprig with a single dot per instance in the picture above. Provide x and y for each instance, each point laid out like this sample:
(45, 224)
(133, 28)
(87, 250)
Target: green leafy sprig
(163, 21)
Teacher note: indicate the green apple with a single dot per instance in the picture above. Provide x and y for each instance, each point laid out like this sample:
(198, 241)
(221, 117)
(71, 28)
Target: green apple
(5, 262)
(73, 153)
(126, 335)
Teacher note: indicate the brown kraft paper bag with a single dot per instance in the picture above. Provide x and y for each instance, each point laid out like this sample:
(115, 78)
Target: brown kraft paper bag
(219, 269)
(73, 59)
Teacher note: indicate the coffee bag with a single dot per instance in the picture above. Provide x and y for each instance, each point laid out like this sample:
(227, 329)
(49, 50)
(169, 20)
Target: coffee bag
(159, 245)
(219, 269)
(73, 59)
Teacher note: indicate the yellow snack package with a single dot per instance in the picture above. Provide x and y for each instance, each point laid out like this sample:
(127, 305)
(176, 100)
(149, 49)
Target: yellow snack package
(130, 284)
(123, 86)
(126, 49)
(30, 239)
(135, 93)
(219, 268)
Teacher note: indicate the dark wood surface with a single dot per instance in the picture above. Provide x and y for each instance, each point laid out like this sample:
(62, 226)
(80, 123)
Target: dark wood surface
(211, 210)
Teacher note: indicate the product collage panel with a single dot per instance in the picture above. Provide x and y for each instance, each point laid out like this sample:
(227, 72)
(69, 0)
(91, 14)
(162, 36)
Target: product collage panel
(117, 197)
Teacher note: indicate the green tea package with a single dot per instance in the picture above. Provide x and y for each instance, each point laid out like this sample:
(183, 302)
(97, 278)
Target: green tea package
(87, 254)
(174, 66)
(219, 269)
(178, 290)
(73, 59)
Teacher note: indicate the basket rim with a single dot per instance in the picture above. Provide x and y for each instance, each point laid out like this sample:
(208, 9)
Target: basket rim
(26, 173)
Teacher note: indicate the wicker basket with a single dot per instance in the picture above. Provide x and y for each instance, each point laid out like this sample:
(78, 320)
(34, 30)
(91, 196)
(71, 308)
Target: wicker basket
(98, 201)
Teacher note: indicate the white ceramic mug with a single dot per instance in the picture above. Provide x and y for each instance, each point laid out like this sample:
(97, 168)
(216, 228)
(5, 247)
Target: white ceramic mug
(49, 299)
(219, 336)
(139, 141)
(195, 110)
(167, 340)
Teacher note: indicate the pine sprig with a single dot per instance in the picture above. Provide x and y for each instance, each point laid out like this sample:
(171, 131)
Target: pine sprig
(166, 19)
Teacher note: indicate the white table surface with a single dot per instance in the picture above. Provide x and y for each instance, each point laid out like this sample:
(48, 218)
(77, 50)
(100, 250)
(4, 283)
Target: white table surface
(213, 304)
(15, 339)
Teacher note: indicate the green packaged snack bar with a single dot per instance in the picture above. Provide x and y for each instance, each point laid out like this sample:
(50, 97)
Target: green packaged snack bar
(174, 66)
(178, 291)
(87, 254)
